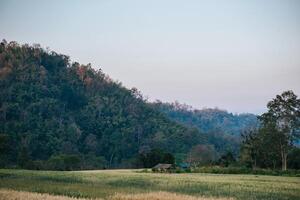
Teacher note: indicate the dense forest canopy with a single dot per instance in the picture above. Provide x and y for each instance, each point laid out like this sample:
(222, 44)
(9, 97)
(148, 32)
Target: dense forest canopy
(223, 129)
(53, 110)
(55, 114)
(209, 119)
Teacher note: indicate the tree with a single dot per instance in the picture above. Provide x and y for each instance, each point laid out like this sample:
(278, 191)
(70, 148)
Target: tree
(64, 108)
(226, 159)
(64, 162)
(250, 148)
(4, 149)
(4, 143)
(284, 113)
(294, 158)
(156, 156)
(168, 158)
(201, 155)
(24, 159)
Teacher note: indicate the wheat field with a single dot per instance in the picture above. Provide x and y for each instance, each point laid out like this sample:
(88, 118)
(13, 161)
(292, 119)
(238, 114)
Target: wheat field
(133, 185)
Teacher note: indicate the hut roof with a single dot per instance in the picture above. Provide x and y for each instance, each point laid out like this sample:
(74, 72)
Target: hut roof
(162, 166)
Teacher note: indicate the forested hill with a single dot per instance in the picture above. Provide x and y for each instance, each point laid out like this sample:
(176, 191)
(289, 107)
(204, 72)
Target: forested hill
(54, 112)
(221, 127)
(208, 119)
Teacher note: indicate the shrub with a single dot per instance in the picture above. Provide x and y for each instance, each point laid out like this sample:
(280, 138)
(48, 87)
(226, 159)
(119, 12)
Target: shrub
(244, 170)
(64, 162)
(294, 158)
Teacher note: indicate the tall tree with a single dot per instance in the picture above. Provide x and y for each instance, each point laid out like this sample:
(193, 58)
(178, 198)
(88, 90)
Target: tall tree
(250, 148)
(284, 114)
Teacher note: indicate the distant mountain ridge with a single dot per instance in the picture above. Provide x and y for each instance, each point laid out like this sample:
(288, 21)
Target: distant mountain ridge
(209, 119)
(223, 129)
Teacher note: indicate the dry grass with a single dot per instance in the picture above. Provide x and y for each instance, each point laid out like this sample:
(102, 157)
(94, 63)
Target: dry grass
(17, 195)
(161, 196)
(106, 183)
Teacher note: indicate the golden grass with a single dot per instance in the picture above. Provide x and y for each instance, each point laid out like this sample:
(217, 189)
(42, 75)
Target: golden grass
(17, 195)
(161, 196)
(106, 183)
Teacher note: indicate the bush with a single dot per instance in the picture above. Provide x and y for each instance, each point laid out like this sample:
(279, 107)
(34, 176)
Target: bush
(92, 161)
(226, 160)
(244, 170)
(154, 157)
(294, 158)
(64, 162)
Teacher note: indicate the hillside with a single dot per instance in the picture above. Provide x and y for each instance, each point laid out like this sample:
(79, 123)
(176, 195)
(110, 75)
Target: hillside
(223, 129)
(54, 112)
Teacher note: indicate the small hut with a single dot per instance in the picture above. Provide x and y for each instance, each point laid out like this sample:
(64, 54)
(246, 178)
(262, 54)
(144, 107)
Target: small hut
(162, 167)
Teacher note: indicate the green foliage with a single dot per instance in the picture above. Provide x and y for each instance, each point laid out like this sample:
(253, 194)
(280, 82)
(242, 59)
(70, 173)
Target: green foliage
(91, 161)
(4, 143)
(168, 158)
(226, 160)
(245, 170)
(218, 127)
(269, 146)
(201, 155)
(24, 159)
(156, 156)
(50, 107)
(64, 162)
(294, 158)
(284, 114)
(4, 149)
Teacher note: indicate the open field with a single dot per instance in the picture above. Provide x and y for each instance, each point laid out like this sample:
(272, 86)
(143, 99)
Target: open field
(19, 195)
(131, 185)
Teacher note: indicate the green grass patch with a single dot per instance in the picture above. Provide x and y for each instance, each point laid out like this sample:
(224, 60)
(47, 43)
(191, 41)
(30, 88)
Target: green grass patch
(104, 183)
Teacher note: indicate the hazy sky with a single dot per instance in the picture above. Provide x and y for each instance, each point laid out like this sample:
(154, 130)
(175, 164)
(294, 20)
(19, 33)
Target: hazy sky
(231, 54)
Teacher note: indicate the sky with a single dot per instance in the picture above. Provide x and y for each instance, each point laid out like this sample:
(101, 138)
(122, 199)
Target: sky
(234, 55)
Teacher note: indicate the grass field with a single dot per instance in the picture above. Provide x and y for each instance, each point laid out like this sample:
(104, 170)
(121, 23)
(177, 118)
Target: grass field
(129, 184)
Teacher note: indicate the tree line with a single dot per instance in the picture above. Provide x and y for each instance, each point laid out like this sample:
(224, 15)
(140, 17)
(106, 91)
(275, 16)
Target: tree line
(222, 129)
(55, 114)
(270, 145)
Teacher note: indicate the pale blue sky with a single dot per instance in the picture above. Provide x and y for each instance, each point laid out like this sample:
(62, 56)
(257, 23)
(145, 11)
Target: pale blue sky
(234, 54)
